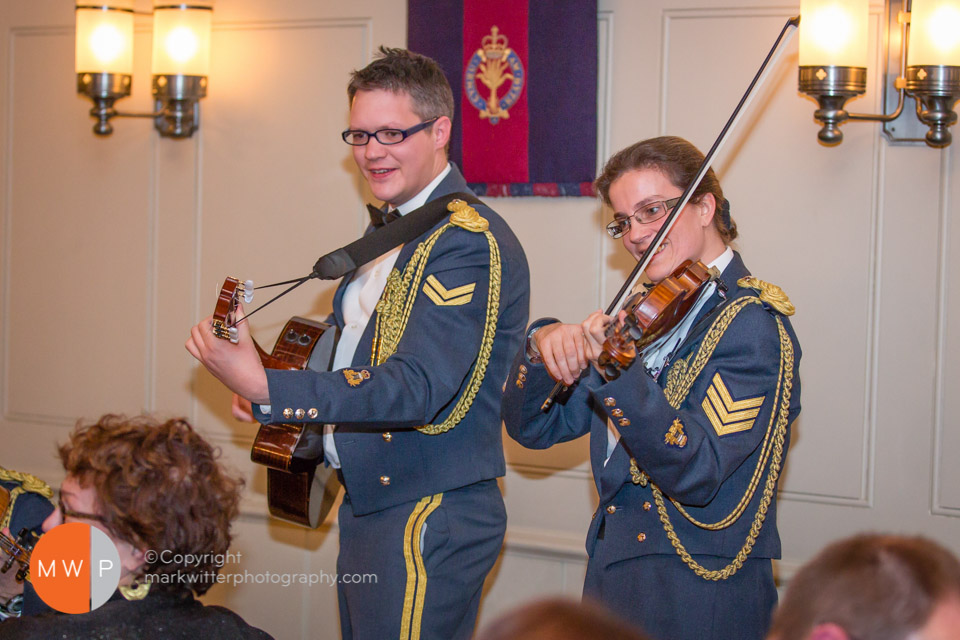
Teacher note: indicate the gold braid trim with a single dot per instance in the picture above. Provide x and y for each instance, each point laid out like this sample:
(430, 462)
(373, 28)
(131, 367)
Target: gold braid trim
(769, 293)
(772, 444)
(396, 304)
(28, 482)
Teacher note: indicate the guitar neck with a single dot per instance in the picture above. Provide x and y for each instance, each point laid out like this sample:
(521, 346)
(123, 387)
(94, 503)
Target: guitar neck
(272, 362)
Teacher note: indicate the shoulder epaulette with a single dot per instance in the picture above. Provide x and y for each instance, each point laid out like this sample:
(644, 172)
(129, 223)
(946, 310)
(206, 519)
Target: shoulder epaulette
(771, 294)
(26, 482)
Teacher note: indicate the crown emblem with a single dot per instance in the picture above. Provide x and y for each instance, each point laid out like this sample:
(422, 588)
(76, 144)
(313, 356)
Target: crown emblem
(494, 45)
(494, 65)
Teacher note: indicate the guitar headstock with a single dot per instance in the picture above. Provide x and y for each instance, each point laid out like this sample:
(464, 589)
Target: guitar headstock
(225, 313)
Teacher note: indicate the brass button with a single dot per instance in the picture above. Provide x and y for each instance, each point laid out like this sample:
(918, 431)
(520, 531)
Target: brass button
(384, 480)
(387, 436)
(624, 422)
(299, 413)
(646, 506)
(617, 413)
(288, 413)
(520, 384)
(641, 537)
(522, 378)
(312, 413)
(523, 368)
(611, 509)
(610, 402)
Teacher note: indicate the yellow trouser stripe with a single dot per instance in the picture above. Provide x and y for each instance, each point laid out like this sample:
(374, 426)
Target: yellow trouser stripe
(416, 590)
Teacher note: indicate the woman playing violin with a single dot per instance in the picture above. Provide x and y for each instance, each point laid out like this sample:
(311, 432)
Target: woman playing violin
(686, 443)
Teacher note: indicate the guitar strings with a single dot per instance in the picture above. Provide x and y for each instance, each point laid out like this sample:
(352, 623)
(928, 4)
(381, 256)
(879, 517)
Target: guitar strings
(277, 284)
(298, 281)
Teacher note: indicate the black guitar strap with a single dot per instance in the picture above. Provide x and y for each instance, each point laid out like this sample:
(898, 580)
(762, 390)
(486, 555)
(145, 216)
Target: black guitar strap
(337, 264)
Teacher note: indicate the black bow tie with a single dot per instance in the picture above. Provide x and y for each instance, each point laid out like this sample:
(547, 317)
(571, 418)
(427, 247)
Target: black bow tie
(378, 218)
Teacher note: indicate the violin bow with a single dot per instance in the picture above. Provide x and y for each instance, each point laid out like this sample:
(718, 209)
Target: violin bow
(779, 46)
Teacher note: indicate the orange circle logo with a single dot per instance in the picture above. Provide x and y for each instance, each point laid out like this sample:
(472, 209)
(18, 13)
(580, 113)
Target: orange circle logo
(75, 567)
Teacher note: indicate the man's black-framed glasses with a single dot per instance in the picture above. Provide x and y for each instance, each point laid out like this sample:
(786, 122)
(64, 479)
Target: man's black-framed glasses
(648, 213)
(359, 137)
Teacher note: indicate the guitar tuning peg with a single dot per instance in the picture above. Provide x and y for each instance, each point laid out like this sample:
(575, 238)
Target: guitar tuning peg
(248, 291)
(234, 335)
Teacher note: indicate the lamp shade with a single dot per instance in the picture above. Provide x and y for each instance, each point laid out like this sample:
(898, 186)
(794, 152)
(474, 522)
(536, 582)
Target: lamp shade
(181, 38)
(105, 37)
(934, 33)
(833, 32)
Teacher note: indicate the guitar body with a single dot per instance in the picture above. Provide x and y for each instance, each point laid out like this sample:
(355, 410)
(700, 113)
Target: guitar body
(298, 490)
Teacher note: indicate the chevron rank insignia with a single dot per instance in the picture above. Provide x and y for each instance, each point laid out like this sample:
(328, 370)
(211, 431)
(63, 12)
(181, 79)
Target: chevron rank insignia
(726, 414)
(443, 297)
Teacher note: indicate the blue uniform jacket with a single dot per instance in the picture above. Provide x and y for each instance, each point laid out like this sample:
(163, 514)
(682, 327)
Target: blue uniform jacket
(385, 461)
(704, 454)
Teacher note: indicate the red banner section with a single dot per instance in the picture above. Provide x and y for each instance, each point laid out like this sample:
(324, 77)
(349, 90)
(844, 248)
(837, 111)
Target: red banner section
(495, 117)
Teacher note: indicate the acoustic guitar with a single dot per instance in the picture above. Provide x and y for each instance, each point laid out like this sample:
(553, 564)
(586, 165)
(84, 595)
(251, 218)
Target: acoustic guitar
(298, 490)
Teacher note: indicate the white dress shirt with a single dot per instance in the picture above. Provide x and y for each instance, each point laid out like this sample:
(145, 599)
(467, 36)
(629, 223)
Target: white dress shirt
(359, 301)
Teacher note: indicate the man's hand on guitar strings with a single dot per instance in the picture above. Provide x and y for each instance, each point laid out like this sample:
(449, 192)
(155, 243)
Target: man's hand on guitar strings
(237, 366)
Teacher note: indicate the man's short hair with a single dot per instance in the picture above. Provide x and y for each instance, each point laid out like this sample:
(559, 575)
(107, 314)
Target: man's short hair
(402, 71)
(880, 587)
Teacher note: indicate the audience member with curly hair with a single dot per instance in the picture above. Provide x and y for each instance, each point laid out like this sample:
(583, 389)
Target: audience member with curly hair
(158, 491)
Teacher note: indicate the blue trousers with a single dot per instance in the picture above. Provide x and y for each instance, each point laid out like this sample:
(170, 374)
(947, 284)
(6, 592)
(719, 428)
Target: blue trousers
(428, 560)
(664, 598)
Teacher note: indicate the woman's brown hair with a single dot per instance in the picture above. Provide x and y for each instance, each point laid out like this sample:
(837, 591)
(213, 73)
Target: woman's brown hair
(679, 161)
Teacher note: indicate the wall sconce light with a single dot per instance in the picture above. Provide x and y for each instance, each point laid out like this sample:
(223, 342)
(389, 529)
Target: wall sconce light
(181, 61)
(833, 52)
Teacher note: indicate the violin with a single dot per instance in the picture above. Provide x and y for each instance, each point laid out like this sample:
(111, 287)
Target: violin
(622, 348)
(652, 313)
(18, 551)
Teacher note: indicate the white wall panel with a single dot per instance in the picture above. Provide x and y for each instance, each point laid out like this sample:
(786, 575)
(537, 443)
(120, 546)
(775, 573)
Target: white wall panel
(782, 216)
(946, 480)
(75, 245)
